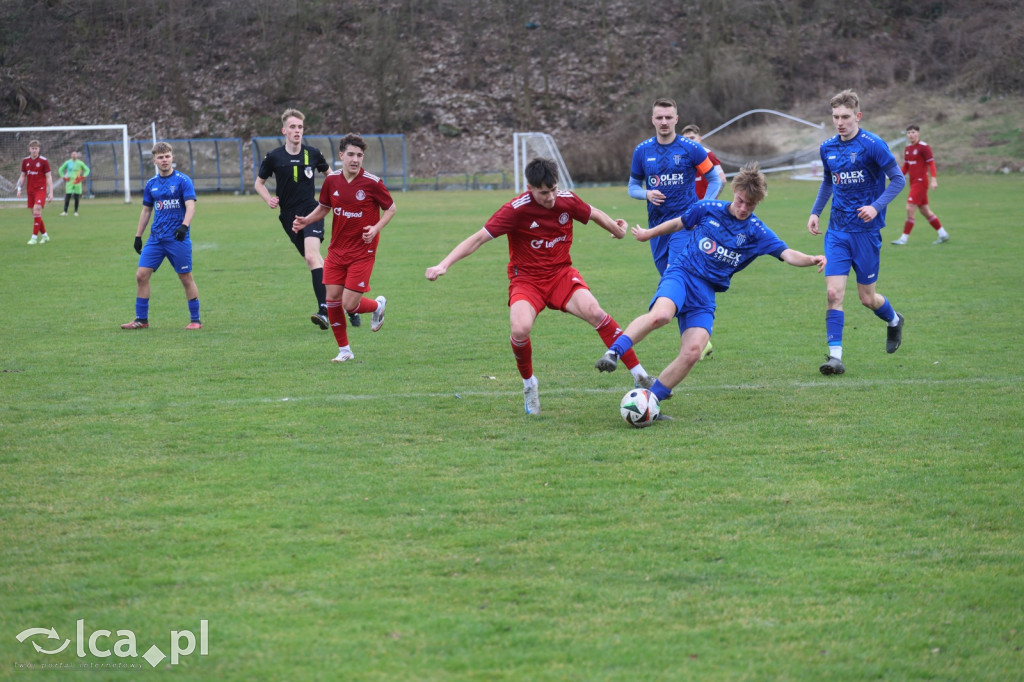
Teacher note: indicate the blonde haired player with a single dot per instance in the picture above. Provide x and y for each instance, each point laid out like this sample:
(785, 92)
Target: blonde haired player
(724, 238)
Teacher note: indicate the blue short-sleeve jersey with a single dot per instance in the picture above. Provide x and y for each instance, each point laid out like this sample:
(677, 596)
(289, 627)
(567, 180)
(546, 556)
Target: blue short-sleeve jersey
(856, 169)
(672, 169)
(167, 197)
(721, 245)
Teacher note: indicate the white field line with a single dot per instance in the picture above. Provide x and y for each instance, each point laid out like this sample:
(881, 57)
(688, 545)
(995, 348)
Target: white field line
(514, 389)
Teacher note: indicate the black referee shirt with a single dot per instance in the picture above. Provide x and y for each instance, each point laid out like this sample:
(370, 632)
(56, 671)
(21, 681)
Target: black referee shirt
(293, 174)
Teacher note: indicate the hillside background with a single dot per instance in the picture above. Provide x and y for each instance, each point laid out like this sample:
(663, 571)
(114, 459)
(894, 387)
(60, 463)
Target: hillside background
(457, 77)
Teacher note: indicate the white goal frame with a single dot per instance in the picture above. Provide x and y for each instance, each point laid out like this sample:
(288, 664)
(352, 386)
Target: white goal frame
(124, 147)
(526, 146)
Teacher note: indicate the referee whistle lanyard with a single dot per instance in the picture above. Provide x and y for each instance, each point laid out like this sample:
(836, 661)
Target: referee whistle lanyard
(305, 162)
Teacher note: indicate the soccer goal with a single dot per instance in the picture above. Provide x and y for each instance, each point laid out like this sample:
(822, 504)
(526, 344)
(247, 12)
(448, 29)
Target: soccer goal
(528, 146)
(109, 172)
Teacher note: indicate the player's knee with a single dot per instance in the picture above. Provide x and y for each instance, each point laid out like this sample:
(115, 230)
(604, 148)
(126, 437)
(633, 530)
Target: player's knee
(659, 318)
(520, 331)
(689, 352)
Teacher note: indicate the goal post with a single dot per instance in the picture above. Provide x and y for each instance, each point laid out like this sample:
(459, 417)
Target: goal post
(528, 146)
(112, 170)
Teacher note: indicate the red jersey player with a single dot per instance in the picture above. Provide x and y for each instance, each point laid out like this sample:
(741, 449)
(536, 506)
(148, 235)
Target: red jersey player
(692, 132)
(919, 167)
(538, 224)
(356, 199)
(38, 182)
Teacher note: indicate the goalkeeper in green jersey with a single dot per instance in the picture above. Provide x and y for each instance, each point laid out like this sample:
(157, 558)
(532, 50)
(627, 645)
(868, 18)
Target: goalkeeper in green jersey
(74, 173)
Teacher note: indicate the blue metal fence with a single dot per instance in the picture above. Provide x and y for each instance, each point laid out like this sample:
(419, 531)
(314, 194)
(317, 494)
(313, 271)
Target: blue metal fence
(385, 156)
(214, 164)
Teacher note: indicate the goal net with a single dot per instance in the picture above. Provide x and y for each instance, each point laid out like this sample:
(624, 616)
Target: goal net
(529, 146)
(109, 172)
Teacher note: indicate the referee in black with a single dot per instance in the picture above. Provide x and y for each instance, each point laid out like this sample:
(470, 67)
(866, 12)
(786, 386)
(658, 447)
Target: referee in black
(293, 166)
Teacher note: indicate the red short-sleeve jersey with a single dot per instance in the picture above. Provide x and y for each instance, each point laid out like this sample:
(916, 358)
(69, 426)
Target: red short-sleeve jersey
(917, 161)
(35, 171)
(539, 238)
(355, 205)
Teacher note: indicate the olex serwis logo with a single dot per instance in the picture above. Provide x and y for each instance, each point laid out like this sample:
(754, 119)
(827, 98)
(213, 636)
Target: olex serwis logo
(122, 644)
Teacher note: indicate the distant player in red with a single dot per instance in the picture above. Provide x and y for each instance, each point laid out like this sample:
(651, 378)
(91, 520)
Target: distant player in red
(692, 132)
(919, 167)
(38, 182)
(362, 206)
(539, 225)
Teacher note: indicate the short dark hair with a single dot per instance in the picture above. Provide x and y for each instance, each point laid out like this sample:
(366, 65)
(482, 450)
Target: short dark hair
(541, 173)
(914, 126)
(352, 140)
(665, 102)
(692, 128)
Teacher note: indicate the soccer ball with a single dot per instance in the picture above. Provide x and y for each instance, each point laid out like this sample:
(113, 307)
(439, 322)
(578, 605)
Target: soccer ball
(639, 408)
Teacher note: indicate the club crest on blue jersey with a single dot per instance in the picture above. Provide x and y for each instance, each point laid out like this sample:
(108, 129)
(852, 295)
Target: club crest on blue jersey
(677, 159)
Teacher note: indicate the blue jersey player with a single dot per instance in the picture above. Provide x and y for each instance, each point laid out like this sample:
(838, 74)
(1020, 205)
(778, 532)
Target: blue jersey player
(170, 198)
(664, 173)
(856, 164)
(725, 237)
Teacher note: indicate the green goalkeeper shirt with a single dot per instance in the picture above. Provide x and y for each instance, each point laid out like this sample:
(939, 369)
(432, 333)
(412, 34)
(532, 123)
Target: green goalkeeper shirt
(74, 173)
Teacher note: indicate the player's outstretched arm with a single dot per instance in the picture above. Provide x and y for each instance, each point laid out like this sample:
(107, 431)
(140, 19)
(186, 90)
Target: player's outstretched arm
(616, 227)
(466, 247)
(667, 227)
(802, 260)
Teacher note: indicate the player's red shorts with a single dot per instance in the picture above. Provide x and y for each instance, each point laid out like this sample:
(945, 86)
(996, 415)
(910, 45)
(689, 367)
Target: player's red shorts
(918, 194)
(553, 292)
(37, 198)
(354, 276)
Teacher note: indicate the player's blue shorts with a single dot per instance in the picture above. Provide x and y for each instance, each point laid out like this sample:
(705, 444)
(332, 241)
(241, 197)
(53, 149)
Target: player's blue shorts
(178, 253)
(659, 252)
(861, 251)
(694, 298)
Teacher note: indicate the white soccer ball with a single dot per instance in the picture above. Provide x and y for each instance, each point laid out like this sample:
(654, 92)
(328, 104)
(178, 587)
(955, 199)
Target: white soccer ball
(639, 407)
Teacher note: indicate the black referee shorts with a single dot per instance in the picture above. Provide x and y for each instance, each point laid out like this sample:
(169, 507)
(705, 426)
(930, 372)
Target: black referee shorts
(299, 238)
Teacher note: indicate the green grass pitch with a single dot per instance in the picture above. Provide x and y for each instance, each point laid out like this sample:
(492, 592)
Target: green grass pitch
(399, 517)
